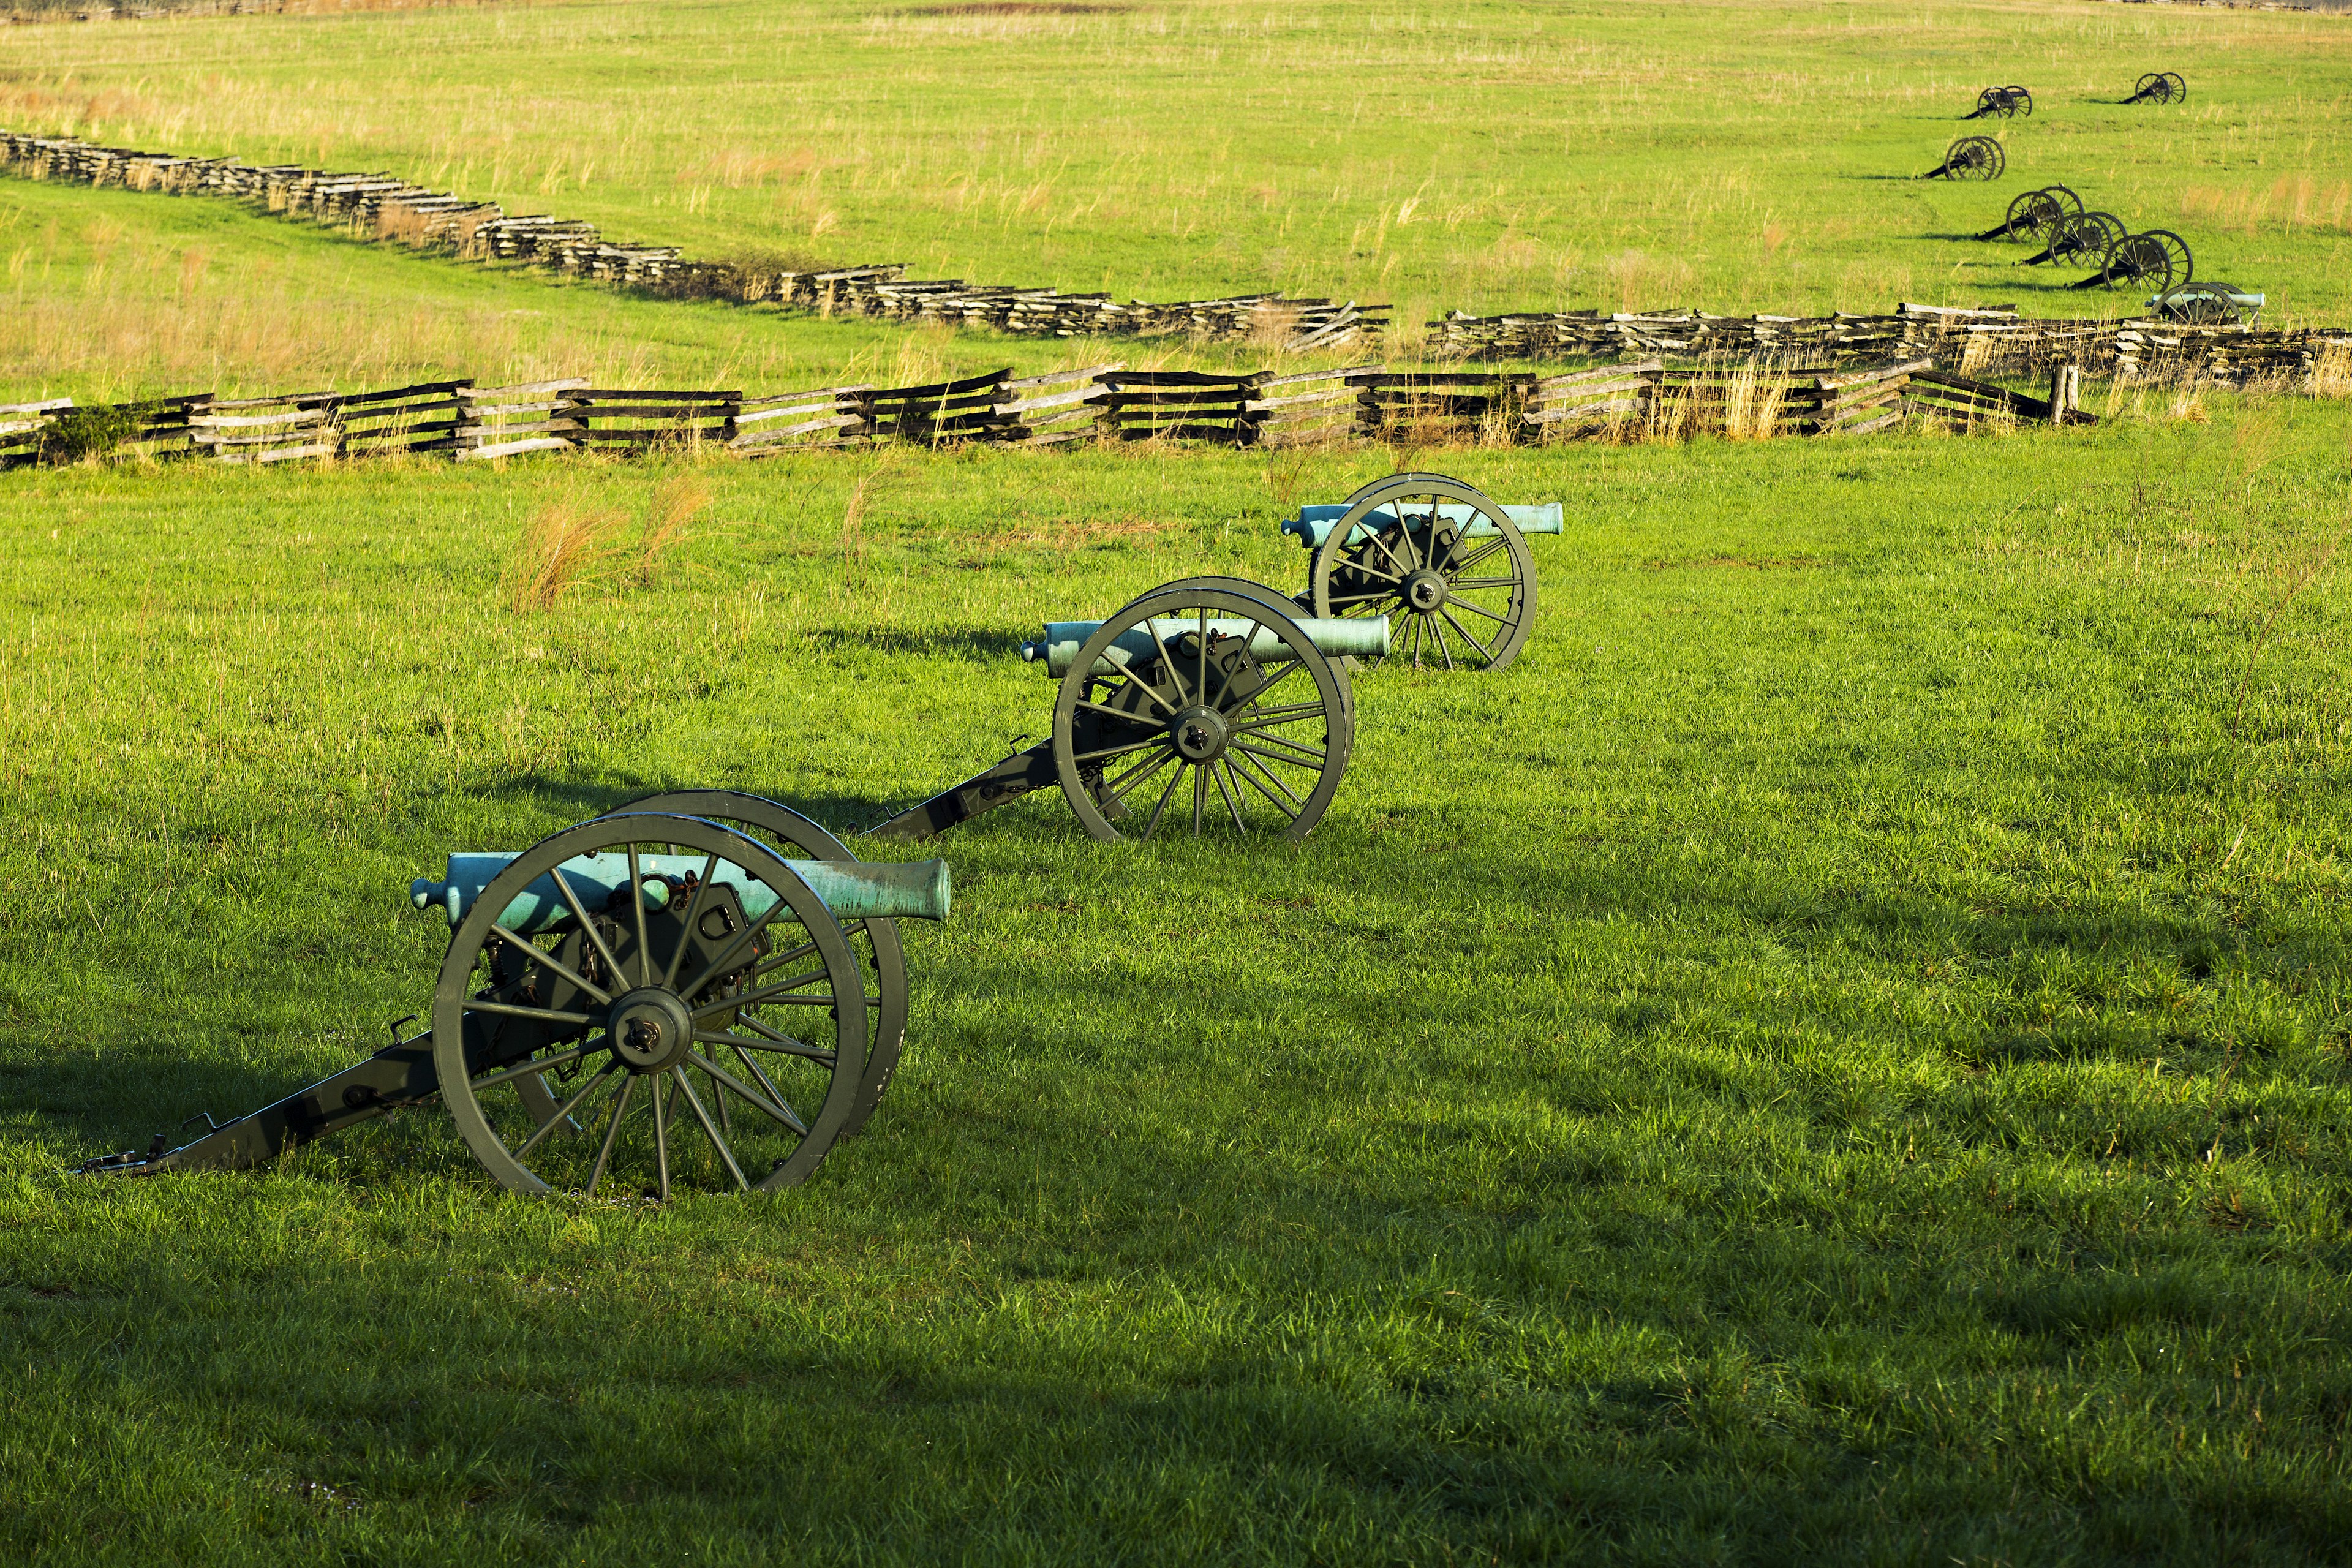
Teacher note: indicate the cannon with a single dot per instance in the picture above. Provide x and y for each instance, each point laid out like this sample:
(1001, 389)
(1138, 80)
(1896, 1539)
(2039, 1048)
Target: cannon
(2007, 103)
(2035, 215)
(2157, 259)
(2080, 239)
(2159, 86)
(1211, 695)
(1428, 555)
(2208, 304)
(1970, 158)
(642, 950)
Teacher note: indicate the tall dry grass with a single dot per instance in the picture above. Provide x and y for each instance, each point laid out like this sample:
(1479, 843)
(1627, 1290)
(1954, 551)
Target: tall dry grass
(1752, 397)
(678, 503)
(564, 543)
(2331, 373)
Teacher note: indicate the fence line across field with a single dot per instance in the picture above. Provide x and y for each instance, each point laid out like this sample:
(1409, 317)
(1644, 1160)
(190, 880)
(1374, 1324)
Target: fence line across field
(465, 422)
(382, 207)
(1992, 340)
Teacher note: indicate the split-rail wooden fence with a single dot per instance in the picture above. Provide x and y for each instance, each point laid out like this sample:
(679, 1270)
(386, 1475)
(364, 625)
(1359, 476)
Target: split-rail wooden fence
(1105, 403)
(1990, 339)
(380, 206)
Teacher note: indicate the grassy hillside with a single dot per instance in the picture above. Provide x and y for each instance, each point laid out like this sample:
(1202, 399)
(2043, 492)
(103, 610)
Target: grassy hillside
(1486, 155)
(1838, 1054)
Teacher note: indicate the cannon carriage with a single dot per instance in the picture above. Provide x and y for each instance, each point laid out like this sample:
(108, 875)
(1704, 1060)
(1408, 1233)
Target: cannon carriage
(1970, 158)
(642, 951)
(1431, 555)
(1212, 697)
(2036, 214)
(2003, 102)
(2159, 86)
(2208, 304)
(2157, 259)
(2080, 239)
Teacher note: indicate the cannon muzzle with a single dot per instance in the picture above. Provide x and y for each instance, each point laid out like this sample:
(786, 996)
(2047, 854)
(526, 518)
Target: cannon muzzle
(853, 890)
(1314, 524)
(1363, 637)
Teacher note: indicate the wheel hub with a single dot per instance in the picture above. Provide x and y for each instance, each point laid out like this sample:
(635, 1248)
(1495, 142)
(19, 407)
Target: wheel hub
(1425, 591)
(651, 1029)
(1199, 734)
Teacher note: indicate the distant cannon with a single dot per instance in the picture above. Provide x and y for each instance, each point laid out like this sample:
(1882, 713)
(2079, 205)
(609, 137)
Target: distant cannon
(2007, 103)
(641, 951)
(2035, 215)
(2159, 86)
(2208, 305)
(2080, 239)
(1211, 695)
(2157, 259)
(1970, 158)
(1428, 555)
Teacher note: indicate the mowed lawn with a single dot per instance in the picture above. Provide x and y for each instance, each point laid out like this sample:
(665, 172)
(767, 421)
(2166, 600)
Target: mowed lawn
(1838, 1055)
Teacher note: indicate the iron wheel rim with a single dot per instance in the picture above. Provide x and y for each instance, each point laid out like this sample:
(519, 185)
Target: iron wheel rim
(1119, 736)
(882, 956)
(833, 1052)
(1347, 578)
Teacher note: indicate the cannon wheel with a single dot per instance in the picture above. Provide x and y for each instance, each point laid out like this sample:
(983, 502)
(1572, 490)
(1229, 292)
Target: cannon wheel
(1484, 590)
(2033, 212)
(2178, 88)
(2068, 202)
(1302, 604)
(2089, 238)
(2179, 265)
(2202, 304)
(2021, 100)
(2140, 260)
(2151, 84)
(1978, 157)
(509, 1007)
(1183, 737)
(880, 953)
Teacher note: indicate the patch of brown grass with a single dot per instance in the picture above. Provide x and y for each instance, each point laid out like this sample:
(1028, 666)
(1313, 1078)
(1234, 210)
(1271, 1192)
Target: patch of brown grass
(670, 522)
(1016, 9)
(564, 542)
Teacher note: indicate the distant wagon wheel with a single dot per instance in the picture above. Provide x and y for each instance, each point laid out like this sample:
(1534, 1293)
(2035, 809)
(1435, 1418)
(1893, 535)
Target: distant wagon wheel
(1195, 710)
(2179, 93)
(2020, 101)
(708, 977)
(2141, 261)
(1441, 560)
(880, 955)
(2033, 214)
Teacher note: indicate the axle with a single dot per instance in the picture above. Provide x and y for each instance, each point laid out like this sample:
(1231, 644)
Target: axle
(853, 890)
(1058, 650)
(1314, 524)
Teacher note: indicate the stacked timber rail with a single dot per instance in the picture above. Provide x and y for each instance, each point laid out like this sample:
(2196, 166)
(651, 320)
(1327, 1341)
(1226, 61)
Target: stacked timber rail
(1992, 339)
(1108, 403)
(380, 206)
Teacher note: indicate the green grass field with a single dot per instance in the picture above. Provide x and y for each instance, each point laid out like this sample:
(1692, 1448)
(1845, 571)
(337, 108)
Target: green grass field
(1838, 1055)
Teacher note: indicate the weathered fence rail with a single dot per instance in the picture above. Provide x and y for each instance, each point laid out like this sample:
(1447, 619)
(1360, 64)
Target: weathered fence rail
(1988, 339)
(382, 207)
(1647, 400)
